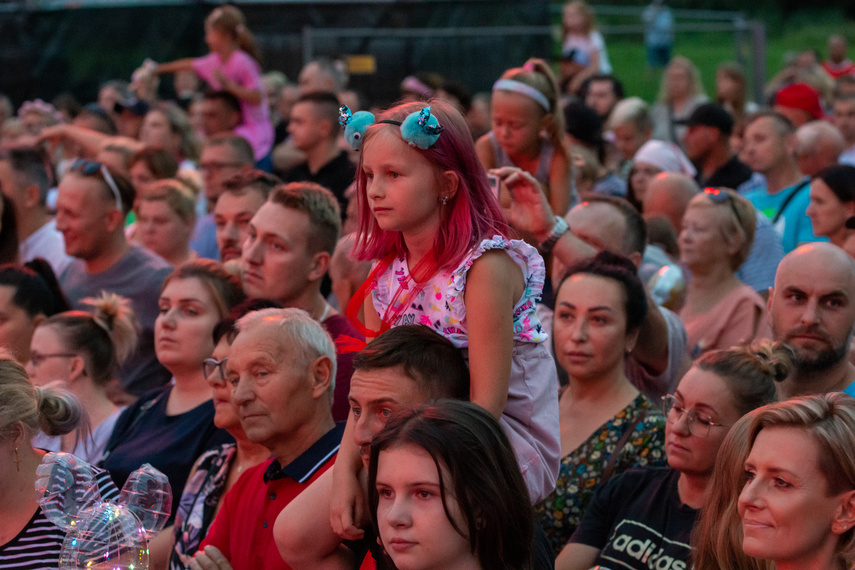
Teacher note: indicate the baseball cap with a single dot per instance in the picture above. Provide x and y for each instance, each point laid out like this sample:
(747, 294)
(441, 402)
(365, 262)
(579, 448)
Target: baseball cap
(800, 96)
(136, 106)
(710, 115)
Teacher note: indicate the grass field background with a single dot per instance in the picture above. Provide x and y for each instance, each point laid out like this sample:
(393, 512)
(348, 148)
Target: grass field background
(709, 49)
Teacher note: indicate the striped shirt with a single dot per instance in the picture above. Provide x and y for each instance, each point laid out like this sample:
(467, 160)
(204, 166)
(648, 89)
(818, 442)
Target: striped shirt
(38, 545)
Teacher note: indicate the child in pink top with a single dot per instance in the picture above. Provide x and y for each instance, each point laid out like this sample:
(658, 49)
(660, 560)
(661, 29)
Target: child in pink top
(233, 66)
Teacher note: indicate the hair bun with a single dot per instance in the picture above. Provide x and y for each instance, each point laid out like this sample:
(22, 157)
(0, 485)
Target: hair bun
(59, 410)
(113, 313)
(775, 359)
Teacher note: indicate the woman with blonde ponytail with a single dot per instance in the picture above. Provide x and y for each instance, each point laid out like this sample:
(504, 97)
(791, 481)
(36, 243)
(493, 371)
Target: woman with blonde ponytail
(528, 131)
(28, 540)
(82, 351)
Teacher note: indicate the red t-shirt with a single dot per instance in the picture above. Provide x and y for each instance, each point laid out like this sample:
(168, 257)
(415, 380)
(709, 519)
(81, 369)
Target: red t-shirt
(243, 528)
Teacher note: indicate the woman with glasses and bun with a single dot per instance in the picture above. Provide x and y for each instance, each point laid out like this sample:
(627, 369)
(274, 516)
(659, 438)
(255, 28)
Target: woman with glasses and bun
(82, 351)
(643, 518)
(720, 311)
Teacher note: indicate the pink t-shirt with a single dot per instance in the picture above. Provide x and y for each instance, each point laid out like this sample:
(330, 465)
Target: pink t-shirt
(245, 71)
(739, 318)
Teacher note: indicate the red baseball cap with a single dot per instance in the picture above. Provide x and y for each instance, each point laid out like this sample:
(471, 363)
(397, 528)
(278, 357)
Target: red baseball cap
(801, 96)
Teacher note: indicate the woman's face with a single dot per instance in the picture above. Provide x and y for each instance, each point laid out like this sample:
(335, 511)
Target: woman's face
(590, 326)
(517, 122)
(225, 414)
(185, 322)
(726, 88)
(788, 514)
(414, 528)
(16, 326)
(676, 82)
(161, 229)
(692, 449)
(640, 176)
(156, 132)
(573, 19)
(826, 212)
(702, 242)
(142, 178)
(50, 358)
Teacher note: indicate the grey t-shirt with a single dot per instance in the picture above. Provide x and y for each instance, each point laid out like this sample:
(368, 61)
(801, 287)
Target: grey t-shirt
(137, 276)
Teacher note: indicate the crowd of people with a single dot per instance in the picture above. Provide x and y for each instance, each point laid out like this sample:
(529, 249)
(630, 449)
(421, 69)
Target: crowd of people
(551, 326)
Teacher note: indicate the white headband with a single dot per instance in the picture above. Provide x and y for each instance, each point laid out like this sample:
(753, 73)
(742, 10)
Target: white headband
(523, 89)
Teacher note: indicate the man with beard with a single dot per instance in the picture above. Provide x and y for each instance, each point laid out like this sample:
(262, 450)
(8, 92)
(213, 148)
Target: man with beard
(812, 309)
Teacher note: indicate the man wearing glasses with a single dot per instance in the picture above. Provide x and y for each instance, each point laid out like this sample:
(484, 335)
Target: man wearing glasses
(222, 158)
(92, 203)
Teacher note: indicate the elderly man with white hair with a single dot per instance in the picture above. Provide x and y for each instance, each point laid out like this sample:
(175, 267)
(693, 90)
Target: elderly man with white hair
(282, 370)
(819, 145)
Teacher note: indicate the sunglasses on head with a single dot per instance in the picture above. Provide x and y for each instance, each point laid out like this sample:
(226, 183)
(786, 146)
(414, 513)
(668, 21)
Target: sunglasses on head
(92, 168)
(722, 196)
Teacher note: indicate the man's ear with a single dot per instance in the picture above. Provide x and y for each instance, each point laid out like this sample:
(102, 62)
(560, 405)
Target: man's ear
(115, 218)
(769, 305)
(322, 376)
(320, 265)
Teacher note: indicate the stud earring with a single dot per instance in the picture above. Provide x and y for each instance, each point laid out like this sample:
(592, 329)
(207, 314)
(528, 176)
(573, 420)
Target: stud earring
(444, 200)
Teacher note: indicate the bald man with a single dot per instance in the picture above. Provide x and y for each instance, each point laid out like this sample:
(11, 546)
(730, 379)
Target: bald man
(812, 309)
(668, 195)
(819, 145)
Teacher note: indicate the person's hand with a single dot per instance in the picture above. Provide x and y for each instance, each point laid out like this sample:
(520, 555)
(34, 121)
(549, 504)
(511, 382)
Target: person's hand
(54, 134)
(347, 505)
(210, 559)
(221, 79)
(529, 209)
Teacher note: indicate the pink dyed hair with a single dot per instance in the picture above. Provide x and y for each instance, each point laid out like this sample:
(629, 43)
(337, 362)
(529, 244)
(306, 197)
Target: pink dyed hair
(470, 216)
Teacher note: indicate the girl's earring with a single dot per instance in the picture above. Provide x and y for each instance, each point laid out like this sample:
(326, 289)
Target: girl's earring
(444, 200)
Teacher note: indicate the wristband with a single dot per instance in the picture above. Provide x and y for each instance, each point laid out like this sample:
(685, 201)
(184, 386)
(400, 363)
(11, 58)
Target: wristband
(558, 230)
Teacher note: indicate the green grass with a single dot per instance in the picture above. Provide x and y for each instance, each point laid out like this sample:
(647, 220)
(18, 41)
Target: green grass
(708, 50)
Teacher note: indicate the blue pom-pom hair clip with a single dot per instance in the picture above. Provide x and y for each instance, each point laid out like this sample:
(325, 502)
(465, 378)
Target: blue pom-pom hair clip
(420, 129)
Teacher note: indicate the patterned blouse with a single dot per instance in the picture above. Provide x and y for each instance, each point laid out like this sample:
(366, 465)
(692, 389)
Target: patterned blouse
(199, 501)
(582, 469)
(439, 304)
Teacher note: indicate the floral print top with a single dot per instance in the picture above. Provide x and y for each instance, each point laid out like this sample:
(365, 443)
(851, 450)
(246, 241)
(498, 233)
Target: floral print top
(439, 304)
(199, 501)
(581, 470)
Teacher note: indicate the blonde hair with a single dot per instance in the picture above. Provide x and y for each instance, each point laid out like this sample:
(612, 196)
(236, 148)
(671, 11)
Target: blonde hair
(536, 73)
(54, 411)
(739, 221)
(177, 195)
(696, 87)
(586, 12)
(830, 420)
(717, 537)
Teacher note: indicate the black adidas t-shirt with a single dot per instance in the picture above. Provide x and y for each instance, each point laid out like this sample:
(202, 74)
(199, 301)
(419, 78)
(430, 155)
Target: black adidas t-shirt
(637, 521)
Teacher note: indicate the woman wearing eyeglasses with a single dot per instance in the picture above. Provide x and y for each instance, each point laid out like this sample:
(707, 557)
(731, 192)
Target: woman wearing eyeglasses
(607, 425)
(172, 426)
(643, 518)
(82, 352)
(720, 311)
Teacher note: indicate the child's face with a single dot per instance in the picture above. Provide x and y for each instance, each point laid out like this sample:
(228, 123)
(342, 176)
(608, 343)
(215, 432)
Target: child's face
(401, 186)
(216, 39)
(573, 19)
(414, 528)
(517, 122)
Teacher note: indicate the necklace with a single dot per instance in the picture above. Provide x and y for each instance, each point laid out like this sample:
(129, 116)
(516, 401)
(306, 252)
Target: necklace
(325, 313)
